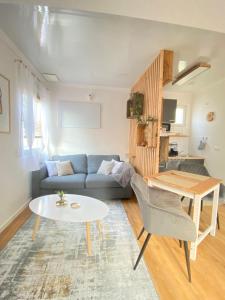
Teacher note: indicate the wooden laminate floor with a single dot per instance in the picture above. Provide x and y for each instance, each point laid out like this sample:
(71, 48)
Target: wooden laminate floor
(166, 261)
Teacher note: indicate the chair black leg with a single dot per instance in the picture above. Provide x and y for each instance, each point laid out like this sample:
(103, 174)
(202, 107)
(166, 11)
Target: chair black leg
(187, 259)
(190, 206)
(182, 198)
(140, 234)
(142, 250)
(218, 221)
(201, 205)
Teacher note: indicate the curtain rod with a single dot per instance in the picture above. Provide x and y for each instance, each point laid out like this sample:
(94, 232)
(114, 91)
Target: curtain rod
(20, 61)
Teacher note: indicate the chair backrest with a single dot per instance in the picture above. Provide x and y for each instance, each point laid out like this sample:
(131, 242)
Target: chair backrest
(201, 170)
(162, 212)
(141, 191)
(193, 168)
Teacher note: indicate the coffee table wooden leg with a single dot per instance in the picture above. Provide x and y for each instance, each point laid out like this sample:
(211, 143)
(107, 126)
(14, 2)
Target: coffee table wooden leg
(88, 238)
(36, 227)
(99, 228)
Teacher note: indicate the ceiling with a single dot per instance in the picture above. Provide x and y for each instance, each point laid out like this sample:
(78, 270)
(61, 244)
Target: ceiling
(107, 50)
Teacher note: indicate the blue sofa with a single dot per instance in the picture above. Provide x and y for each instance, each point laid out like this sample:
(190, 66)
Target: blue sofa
(84, 181)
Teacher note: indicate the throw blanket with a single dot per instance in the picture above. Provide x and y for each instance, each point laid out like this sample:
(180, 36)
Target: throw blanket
(124, 174)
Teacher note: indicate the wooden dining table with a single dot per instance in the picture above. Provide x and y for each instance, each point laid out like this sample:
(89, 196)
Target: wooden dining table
(195, 187)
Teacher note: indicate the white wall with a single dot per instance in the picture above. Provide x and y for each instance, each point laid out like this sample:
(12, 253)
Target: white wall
(111, 138)
(183, 99)
(211, 99)
(14, 180)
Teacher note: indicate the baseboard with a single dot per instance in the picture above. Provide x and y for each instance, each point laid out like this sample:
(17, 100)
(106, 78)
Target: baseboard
(12, 218)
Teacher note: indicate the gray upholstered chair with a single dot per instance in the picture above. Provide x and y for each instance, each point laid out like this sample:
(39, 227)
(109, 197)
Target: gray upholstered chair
(163, 215)
(201, 170)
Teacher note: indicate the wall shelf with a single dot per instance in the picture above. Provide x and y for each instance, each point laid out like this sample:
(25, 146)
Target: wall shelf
(147, 134)
(173, 135)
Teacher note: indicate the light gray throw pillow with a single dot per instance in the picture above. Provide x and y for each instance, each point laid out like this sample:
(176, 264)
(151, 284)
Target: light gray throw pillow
(51, 166)
(106, 167)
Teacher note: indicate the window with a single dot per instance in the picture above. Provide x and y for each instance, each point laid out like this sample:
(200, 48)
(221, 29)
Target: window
(37, 142)
(180, 117)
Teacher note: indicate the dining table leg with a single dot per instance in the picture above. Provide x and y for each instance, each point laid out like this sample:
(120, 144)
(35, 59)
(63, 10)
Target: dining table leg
(215, 210)
(196, 220)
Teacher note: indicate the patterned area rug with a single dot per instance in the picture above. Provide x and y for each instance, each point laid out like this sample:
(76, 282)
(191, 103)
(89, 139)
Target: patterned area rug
(56, 265)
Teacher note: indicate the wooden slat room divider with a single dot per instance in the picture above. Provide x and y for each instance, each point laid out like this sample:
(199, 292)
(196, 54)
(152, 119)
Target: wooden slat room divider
(146, 158)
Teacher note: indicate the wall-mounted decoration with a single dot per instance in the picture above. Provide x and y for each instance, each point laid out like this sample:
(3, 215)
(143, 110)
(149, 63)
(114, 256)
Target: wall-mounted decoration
(4, 104)
(79, 114)
(135, 105)
(202, 143)
(210, 116)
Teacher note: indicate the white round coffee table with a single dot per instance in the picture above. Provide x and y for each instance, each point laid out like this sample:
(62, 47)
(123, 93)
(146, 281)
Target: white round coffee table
(90, 210)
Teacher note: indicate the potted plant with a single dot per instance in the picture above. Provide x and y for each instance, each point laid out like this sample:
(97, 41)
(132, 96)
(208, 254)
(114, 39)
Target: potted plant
(62, 201)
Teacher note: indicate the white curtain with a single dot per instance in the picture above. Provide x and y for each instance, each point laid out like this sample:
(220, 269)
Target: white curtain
(26, 90)
(45, 112)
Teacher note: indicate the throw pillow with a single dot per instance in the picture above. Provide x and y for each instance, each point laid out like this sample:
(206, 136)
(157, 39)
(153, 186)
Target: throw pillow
(105, 167)
(64, 168)
(51, 166)
(117, 166)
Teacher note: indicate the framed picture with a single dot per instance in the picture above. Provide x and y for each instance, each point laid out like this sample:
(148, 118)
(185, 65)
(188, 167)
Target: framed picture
(4, 104)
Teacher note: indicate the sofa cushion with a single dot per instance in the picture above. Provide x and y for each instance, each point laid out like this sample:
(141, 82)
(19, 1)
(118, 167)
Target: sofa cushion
(101, 181)
(64, 182)
(94, 161)
(78, 161)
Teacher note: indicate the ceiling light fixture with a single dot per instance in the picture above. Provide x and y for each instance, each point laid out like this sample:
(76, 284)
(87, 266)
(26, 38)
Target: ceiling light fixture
(50, 77)
(191, 73)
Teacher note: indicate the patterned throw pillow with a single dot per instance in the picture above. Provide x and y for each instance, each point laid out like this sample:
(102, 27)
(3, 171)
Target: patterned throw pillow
(106, 167)
(51, 166)
(64, 168)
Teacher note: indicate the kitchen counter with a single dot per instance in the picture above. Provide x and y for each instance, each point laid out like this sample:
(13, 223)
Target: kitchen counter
(184, 157)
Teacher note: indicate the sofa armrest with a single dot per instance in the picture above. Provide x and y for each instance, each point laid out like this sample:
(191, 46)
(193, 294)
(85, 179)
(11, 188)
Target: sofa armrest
(36, 178)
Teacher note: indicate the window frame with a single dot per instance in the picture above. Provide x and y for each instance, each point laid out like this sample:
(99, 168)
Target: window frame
(183, 124)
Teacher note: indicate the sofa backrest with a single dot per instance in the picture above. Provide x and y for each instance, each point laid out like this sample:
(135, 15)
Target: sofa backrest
(78, 161)
(94, 161)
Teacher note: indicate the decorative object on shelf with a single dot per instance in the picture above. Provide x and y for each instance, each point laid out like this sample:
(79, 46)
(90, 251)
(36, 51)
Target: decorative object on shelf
(4, 104)
(173, 151)
(75, 205)
(202, 143)
(62, 201)
(210, 116)
(135, 105)
(147, 131)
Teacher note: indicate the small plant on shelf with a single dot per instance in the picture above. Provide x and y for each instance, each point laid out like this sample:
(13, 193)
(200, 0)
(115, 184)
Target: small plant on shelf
(144, 121)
